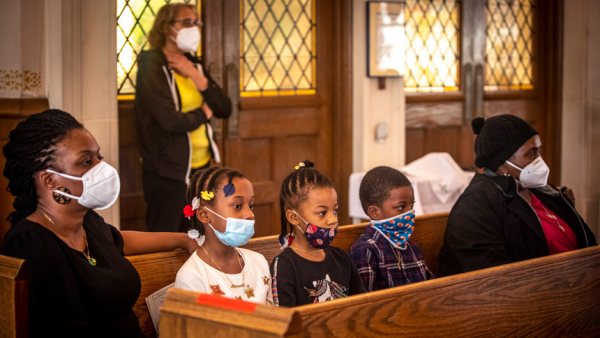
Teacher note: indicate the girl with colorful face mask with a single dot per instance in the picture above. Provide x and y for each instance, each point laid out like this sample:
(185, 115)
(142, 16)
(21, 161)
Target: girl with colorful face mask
(384, 255)
(220, 206)
(310, 270)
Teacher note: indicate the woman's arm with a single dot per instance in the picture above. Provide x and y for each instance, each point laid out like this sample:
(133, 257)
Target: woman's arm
(138, 242)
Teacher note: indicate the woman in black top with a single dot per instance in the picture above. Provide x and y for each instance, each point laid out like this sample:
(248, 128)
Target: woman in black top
(80, 283)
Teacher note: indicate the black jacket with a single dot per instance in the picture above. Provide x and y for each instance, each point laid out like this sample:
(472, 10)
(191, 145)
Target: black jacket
(161, 126)
(491, 224)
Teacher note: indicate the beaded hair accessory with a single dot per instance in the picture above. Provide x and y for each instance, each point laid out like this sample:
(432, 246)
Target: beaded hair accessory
(285, 241)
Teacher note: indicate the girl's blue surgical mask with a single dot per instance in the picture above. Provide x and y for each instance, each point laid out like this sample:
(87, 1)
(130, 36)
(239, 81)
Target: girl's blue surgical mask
(237, 231)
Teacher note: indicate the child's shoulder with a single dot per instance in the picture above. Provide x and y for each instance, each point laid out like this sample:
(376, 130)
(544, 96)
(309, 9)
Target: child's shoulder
(253, 255)
(366, 241)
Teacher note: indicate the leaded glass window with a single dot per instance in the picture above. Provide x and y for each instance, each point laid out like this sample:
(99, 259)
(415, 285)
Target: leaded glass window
(509, 54)
(278, 47)
(432, 51)
(134, 21)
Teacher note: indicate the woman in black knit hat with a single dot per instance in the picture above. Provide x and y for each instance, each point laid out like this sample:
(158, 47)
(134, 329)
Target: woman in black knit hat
(509, 213)
(80, 285)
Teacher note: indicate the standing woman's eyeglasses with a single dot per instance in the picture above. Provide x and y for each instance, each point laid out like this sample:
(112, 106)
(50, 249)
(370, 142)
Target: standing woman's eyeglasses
(189, 23)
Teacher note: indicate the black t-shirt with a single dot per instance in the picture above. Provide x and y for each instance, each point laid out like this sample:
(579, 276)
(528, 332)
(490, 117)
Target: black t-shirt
(68, 297)
(298, 281)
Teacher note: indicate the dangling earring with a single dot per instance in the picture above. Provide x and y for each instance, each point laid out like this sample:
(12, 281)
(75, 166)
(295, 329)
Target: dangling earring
(61, 199)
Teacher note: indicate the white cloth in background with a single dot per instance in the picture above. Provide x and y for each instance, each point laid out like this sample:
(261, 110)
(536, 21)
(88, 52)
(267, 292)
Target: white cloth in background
(437, 180)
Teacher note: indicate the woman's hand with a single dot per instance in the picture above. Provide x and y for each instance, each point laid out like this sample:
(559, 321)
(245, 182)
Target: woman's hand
(207, 110)
(187, 69)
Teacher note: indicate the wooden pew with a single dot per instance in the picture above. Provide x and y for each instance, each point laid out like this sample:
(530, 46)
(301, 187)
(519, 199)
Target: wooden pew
(557, 295)
(13, 298)
(159, 269)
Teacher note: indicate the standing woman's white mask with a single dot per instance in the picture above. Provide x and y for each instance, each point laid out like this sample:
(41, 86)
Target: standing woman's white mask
(188, 39)
(101, 186)
(534, 175)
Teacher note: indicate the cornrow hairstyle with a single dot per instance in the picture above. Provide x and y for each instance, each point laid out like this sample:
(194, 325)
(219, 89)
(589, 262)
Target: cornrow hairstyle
(377, 183)
(210, 179)
(32, 147)
(295, 189)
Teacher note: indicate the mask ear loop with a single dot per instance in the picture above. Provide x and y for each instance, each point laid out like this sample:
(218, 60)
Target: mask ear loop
(301, 219)
(66, 176)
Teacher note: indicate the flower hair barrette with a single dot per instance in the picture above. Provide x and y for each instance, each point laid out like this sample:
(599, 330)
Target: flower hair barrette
(189, 211)
(207, 195)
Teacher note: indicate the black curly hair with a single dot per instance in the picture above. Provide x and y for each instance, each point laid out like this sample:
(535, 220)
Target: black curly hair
(32, 147)
(295, 189)
(210, 179)
(377, 183)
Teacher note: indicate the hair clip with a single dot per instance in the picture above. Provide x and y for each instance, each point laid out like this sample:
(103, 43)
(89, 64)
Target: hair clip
(228, 189)
(285, 241)
(188, 211)
(195, 234)
(207, 195)
(300, 165)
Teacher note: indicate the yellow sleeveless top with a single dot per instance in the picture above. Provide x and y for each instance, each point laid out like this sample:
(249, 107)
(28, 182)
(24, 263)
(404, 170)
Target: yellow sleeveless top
(191, 99)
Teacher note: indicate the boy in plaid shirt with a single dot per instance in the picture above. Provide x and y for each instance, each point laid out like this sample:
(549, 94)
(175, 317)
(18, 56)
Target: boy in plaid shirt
(384, 256)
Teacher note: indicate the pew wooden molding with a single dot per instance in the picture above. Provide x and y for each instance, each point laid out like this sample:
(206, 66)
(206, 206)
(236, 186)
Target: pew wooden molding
(13, 297)
(553, 296)
(557, 295)
(158, 270)
(178, 319)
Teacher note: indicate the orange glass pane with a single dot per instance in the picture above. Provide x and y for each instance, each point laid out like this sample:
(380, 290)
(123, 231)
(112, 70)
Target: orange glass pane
(278, 51)
(509, 53)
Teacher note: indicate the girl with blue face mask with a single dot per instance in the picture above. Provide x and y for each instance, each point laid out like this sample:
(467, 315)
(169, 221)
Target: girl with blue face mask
(221, 203)
(309, 270)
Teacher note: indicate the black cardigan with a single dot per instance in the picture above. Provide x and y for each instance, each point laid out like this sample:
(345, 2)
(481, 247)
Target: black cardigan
(491, 224)
(161, 126)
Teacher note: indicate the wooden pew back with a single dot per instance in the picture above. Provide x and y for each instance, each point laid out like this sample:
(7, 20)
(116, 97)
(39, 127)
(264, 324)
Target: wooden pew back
(13, 297)
(158, 270)
(556, 295)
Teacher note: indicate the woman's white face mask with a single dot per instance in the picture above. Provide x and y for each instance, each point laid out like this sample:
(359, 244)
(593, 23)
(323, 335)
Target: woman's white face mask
(534, 175)
(101, 186)
(188, 39)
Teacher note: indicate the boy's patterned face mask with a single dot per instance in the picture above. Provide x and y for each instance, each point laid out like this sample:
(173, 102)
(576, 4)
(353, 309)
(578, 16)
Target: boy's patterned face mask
(397, 229)
(318, 237)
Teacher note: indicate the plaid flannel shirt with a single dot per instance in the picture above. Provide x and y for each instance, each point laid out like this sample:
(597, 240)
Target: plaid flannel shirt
(378, 266)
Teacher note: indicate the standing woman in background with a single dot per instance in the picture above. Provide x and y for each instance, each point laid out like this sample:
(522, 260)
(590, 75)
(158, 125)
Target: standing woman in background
(174, 103)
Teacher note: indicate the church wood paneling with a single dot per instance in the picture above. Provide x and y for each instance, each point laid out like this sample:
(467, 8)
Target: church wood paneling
(12, 111)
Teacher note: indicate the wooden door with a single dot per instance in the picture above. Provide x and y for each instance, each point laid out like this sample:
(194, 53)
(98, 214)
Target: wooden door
(503, 57)
(285, 65)
(273, 127)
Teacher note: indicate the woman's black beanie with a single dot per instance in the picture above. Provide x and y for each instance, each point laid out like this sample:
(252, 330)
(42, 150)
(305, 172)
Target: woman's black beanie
(498, 138)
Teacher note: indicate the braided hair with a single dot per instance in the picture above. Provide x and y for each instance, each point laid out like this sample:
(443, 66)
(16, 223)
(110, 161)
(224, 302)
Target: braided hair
(32, 147)
(208, 180)
(296, 187)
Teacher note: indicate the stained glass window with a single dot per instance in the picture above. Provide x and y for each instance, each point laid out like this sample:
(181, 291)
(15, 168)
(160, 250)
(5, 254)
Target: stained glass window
(509, 54)
(432, 54)
(134, 21)
(278, 47)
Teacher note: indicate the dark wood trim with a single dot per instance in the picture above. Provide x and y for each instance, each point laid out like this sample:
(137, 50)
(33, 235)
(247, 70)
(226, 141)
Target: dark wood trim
(435, 97)
(342, 104)
(511, 94)
(281, 101)
(550, 80)
(22, 107)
